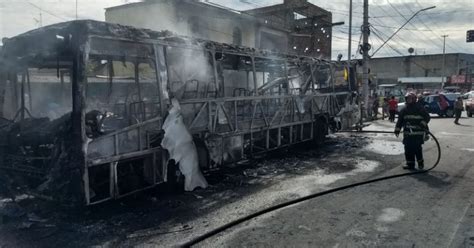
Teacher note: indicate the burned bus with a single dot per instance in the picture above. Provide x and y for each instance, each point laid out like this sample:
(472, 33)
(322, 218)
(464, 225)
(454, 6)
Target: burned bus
(82, 105)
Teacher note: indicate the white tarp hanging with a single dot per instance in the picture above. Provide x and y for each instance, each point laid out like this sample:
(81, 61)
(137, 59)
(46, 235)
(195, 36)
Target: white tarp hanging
(349, 114)
(179, 143)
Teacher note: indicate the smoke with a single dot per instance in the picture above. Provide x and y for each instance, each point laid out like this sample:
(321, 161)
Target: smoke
(45, 96)
(190, 73)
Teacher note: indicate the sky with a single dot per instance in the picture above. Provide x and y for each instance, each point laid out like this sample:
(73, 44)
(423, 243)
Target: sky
(423, 33)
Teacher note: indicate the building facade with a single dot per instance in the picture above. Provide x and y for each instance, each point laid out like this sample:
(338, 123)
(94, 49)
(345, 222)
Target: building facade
(295, 26)
(425, 71)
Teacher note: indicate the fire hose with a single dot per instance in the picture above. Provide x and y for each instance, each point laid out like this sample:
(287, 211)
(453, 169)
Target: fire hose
(240, 220)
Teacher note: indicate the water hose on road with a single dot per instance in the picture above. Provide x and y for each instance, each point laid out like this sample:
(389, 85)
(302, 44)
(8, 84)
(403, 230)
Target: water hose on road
(240, 220)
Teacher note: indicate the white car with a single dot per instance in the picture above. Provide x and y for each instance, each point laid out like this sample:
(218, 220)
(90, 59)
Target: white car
(400, 106)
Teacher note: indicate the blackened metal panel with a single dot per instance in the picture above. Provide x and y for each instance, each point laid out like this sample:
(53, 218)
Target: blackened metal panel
(120, 48)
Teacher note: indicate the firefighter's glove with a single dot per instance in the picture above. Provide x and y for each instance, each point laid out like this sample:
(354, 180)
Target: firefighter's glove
(397, 132)
(427, 137)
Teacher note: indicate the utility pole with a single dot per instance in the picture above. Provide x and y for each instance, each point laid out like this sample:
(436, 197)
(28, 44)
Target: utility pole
(365, 60)
(444, 61)
(76, 9)
(350, 46)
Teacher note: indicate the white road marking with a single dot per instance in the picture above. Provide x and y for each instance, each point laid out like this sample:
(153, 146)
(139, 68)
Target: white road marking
(454, 134)
(453, 235)
(468, 149)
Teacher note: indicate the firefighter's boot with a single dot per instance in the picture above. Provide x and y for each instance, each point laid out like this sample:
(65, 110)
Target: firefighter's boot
(409, 167)
(421, 164)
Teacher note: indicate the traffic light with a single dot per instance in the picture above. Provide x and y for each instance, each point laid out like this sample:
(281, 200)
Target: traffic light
(470, 36)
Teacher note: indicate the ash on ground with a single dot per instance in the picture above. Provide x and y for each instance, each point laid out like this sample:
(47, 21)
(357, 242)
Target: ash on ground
(33, 221)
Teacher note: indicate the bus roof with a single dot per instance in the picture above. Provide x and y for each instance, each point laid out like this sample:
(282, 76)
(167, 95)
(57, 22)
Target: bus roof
(46, 41)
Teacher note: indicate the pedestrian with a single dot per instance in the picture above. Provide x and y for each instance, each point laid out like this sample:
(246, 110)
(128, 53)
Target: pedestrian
(458, 108)
(413, 119)
(392, 108)
(375, 106)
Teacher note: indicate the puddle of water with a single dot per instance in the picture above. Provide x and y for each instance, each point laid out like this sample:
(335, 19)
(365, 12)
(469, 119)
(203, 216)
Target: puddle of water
(391, 215)
(385, 147)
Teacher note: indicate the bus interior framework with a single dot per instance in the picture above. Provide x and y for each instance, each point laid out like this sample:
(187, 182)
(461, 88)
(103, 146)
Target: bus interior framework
(82, 105)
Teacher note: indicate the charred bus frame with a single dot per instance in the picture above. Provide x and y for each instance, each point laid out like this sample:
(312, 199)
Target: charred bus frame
(238, 103)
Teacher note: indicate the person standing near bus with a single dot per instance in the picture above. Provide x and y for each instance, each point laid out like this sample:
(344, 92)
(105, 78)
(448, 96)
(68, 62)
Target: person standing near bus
(392, 108)
(458, 108)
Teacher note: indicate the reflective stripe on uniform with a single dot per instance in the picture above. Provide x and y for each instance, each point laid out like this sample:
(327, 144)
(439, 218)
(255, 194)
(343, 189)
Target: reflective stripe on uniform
(413, 127)
(416, 117)
(414, 133)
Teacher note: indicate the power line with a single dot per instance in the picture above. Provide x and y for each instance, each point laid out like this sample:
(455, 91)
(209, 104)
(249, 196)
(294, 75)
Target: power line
(424, 24)
(47, 12)
(409, 30)
(436, 34)
(387, 37)
(401, 42)
(382, 40)
(400, 53)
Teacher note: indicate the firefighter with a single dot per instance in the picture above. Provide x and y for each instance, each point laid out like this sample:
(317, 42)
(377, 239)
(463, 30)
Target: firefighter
(414, 121)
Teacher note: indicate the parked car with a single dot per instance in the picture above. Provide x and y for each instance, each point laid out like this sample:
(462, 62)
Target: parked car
(469, 103)
(433, 104)
(452, 96)
(401, 105)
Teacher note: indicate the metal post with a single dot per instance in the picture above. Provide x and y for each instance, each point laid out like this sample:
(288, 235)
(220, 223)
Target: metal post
(349, 46)
(444, 61)
(365, 59)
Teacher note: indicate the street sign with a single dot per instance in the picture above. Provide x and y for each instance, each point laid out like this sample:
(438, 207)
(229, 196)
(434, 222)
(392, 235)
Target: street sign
(470, 36)
(458, 79)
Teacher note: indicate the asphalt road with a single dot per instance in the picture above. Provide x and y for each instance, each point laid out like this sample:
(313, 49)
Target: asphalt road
(427, 210)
